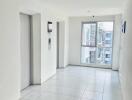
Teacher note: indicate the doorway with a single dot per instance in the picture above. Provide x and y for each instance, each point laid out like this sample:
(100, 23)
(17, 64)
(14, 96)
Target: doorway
(96, 46)
(57, 44)
(60, 43)
(30, 49)
(25, 23)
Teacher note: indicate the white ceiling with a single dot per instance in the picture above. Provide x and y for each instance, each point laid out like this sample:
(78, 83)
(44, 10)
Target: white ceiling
(86, 7)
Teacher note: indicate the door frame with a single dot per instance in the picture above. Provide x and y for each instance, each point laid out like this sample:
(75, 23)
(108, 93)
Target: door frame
(58, 37)
(35, 70)
(30, 50)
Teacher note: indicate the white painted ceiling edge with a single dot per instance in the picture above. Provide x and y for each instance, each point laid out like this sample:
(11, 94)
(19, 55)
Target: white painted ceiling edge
(86, 7)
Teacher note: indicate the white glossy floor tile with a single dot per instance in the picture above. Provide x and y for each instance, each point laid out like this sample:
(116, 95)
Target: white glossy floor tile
(77, 83)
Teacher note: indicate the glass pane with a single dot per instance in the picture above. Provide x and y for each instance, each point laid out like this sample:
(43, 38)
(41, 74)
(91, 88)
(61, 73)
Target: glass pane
(104, 42)
(104, 55)
(89, 34)
(104, 34)
(88, 55)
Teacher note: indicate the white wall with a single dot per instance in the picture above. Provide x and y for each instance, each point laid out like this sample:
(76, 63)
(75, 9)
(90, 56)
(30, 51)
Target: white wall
(75, 24)
(10, 44)
(66, 48)
(9, 50)
(25, 22)
(36, 49)
(126, 55)
(116, 42)
(48, 57)
(61, 43)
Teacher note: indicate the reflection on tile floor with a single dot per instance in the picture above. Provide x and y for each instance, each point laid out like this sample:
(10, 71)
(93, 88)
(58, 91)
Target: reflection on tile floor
(77, 83)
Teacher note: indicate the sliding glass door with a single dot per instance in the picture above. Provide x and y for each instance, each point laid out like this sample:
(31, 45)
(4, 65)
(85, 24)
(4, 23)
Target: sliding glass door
(96, 46)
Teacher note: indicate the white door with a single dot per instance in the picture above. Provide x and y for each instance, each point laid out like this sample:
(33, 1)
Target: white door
(25, 50)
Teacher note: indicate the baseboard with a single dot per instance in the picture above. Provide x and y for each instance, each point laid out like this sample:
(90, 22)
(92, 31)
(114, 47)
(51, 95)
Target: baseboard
(63, 67)
(115, 68)
(90, 66)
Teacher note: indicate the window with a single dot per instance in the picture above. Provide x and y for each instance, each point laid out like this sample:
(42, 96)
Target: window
(97, 43)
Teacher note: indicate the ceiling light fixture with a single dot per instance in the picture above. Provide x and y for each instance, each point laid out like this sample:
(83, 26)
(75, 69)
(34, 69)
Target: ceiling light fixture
(93, 18)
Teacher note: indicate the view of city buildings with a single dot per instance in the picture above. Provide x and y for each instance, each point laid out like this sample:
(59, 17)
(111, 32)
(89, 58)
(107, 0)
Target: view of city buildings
(97, 43)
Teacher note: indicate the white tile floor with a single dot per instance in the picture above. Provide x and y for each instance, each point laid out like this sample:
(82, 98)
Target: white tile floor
(77, 83)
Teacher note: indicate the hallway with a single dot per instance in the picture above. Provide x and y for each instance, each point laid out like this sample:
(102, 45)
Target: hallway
(77, 83)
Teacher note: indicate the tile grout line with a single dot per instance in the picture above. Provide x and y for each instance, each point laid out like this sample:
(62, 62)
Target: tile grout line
(104, 85)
